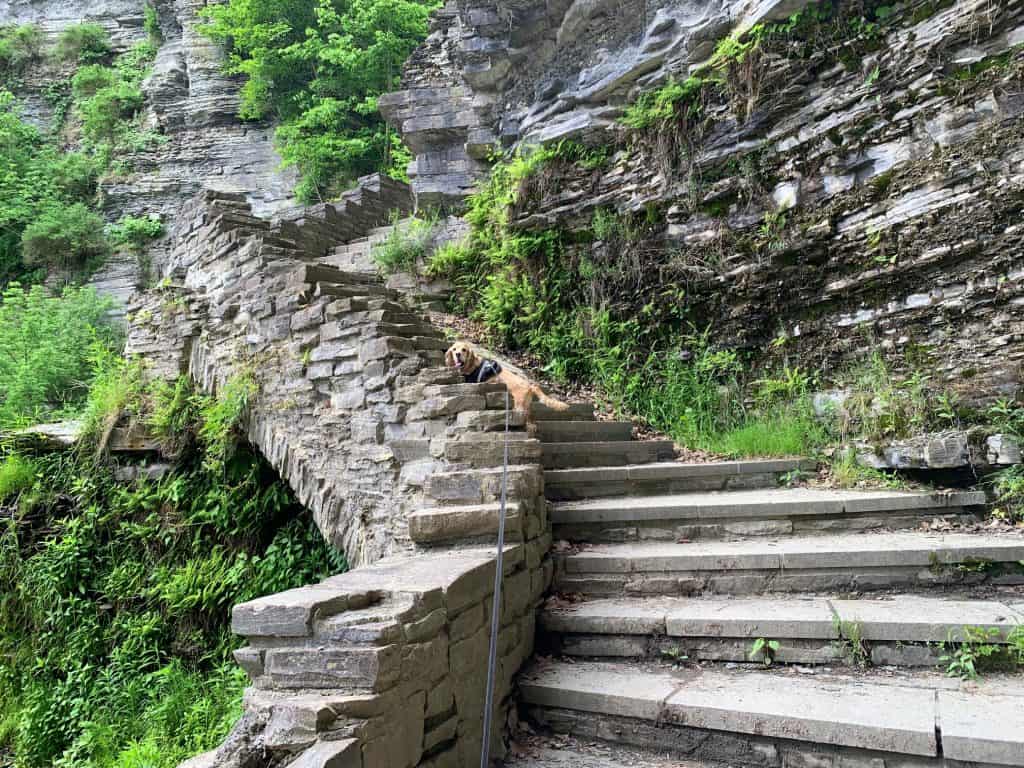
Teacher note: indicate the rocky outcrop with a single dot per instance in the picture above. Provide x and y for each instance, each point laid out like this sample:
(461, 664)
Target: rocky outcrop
(495, 73)
(860, 195)
(194, 106)
(191, 107)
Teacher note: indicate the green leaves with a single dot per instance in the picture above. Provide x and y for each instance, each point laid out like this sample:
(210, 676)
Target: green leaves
(125, 593)
(45, 344)
(318, 68)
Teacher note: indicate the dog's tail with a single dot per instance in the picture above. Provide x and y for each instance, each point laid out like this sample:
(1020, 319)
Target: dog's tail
(550, 402)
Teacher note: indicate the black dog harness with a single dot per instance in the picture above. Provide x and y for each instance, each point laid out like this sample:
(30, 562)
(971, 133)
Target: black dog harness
(487, 370)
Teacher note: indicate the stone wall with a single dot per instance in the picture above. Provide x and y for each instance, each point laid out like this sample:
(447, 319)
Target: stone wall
(862, 197)
(399, 462)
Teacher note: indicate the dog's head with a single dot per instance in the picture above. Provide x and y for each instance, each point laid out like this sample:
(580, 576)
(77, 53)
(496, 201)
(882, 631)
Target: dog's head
(459, 355)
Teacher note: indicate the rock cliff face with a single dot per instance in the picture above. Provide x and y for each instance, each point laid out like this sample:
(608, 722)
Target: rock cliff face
(854, 196)
(188, 100)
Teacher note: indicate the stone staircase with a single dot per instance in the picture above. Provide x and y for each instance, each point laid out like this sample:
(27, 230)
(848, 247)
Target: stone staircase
(401, 463)
(667, 574)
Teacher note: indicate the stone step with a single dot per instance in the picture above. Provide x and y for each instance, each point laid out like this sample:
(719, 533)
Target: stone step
(584, 431)
(468, 522)
(600, 454)
(772, 718)
(838, 562)
(758, 512)
(893, 630)
(575, 412)
(668, 477)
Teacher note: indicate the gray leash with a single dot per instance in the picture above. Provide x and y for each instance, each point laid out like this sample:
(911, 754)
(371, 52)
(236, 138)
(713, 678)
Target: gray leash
(492, 657)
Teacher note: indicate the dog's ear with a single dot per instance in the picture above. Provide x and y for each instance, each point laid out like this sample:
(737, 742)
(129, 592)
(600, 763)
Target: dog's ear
(449, 357)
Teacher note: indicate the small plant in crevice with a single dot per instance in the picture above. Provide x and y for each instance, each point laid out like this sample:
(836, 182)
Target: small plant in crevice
(850, 644)
(19, 46)
(1008, 486)
(83, 43)
(973, 653)
(135, 232)
(675, 655)
(407, 245)
(764, 651)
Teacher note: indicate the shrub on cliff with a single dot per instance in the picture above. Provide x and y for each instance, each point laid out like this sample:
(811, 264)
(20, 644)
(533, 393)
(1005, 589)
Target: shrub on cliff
(18, 46)
(67, 237)
(47, 342)
(318, 70)
(48, 189)
(86, 43)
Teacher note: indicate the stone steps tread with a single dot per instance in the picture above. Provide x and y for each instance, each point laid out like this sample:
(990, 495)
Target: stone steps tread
(907, 618)
(757, 503)
(828, 551)
(858, 713)
(665, 470)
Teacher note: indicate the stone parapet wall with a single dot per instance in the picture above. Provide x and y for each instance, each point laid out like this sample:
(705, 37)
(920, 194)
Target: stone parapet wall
(399, 461)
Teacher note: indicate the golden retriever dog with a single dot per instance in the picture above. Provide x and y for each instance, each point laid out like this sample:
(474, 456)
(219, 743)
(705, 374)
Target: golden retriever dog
(476, 371)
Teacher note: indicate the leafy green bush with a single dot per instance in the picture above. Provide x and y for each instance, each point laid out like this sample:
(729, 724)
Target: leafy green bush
(48, 344)
(318, 70)
(40, 182)
(135, 231)
(660, 106)
(126, 592)
(151, 23)
(19, 45)
(69, 237)
(406, 245)
(16, 475)
(1008, 485)
(85, 43)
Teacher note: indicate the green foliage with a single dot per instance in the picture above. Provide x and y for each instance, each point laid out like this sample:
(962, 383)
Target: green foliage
(19, 45)
(17, 474)
(974, 653)
(135, 232)
(126, 590)
(883, 405)
(1007, 416)
(764, 651)
(851, 645)
(847, 472)
(126, 593)
(70, 237)
(406, 245)
(116, 390)
(1008, 485)
(221, 418)
(658, 107)
(48, 345)
(107, 98)
(317, 69)
(45, 188)
(793, 431)
(151, 23)
(84, 43)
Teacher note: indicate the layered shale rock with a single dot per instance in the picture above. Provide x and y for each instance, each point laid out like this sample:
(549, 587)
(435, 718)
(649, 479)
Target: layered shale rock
(861, 194)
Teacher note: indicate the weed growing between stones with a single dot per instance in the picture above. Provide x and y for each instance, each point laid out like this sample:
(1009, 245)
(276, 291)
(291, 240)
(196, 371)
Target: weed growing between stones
(851, 645)
(406, 246)
(763, 651)
(976, 653)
